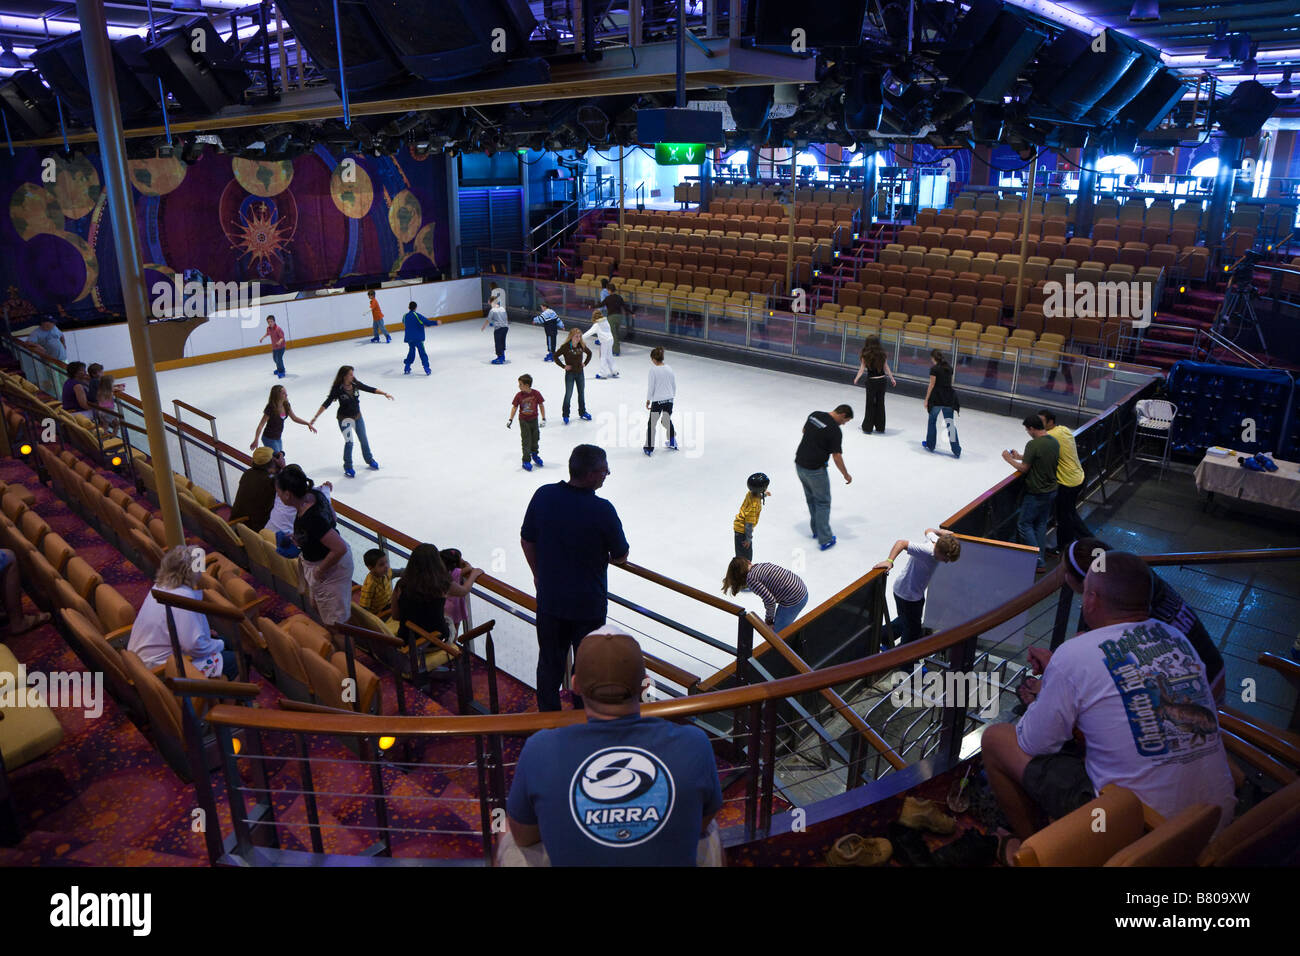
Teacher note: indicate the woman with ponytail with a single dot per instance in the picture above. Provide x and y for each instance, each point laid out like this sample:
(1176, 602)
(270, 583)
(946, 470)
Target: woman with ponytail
(941, 398)
(326, 557)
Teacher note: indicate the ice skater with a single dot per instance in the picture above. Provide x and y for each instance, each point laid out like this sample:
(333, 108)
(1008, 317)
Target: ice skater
(276, 334)
(496, 296)
(270, 430)
(873, 363)
(351, 424)
(528, 402)
(500, 323)
(604, 335)
(415, 324)
(377, 327)
(573, 357)
(941, 399)
(660, 393)
(751, 508)
(549, 321)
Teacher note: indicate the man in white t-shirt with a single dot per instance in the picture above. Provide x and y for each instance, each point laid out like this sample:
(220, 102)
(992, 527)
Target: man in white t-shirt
(1136, 691)
(923, 557)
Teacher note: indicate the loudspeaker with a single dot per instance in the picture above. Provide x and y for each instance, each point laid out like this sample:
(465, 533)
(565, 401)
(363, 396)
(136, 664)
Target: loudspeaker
(990, 69)
(986, 123)
(1146, 110)
(1080, 75)
(864, 104)
(197, 67)
(750, 106)
(62, 64)
(368, 58)
(1134, 80)
(1245, 110)
(462, 44)
(28, 105)
(836, 23)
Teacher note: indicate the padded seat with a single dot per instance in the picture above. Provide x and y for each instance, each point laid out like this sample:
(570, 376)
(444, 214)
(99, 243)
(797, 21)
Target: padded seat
(25, 732)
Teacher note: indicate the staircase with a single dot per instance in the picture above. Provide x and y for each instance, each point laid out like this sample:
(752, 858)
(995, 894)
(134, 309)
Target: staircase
(589, 227)
(1171, 338)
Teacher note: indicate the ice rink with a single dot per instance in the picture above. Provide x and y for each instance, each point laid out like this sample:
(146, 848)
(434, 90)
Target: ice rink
(450, 470)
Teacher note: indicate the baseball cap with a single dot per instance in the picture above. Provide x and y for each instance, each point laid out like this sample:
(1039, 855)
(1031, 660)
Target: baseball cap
(262, 456)
(609, 668)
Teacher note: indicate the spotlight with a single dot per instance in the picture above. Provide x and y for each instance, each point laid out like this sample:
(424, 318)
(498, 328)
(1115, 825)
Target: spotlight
(1252, 64)
(1144, 11)
(25, 449)
(1220, 48)
(9, 59)
(117, 461)
(187, 6)
(1284, 88)
(894, 84)
(1239, 47)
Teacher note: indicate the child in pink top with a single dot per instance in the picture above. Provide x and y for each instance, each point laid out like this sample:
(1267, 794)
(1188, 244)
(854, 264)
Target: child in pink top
(456, 608)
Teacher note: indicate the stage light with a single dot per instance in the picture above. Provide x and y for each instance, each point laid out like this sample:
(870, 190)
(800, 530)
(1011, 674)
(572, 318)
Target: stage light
(386, 742)
(1284, 88)
(25, 449)
(1144, 11)
(9, 59)
(117, 460)
(1251, 64)
(1111, 364)
(893, 83)
(1182, 288)
(1220, 48)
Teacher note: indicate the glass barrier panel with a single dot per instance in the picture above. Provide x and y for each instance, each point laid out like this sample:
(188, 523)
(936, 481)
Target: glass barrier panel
(1050, 377)
(821, 339)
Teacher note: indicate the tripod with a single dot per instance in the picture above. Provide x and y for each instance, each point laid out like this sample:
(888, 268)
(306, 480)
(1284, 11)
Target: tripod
(1237, 313)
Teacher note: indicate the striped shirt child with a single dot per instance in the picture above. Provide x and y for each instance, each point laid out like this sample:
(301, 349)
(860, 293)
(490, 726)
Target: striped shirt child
(775, 586)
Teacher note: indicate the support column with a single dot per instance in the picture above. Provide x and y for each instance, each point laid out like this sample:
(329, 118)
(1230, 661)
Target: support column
(130, 266)
(870, 182)
(1216, 217)
(453, 217)
(1024, 239)
(622, 208)
(789, 245)
(1086, 202)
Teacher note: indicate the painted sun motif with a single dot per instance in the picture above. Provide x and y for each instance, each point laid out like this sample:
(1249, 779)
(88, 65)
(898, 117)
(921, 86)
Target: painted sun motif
(260, 234)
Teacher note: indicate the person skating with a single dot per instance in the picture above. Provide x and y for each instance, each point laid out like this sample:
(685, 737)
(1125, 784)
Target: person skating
(529, 403)
(660, 393)
(276, 334)
(549, 321)
(822, 442)
(415, 324)
(873, 363)
(941, 399)
(351, 424)
(751, 508)
(377, 326)
(573, 357)
(500, 323)
(601, 331)
(270, 430)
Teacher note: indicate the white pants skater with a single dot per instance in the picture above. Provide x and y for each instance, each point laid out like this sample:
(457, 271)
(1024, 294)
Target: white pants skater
(606, 334)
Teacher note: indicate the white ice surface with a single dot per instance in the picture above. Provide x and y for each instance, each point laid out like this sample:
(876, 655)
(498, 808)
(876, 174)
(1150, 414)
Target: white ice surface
(450, 470)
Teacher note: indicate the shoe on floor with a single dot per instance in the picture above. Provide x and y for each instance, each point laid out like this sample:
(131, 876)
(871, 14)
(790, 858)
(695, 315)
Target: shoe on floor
(549, 358)
(854, 850)
(672, 443)
(829, 544)
(406, 371)
(387, 340)
(537, 461)
(499, 360)
(584, 416)
(349, 472)
(648, 451)
(566, 419)
(972, 848)
(428, 371)
(374, 465)
(909, 846)
(925, 815)
(599, 376)
(926, 446)
(956, 454)
(374, 340)
(528, 466)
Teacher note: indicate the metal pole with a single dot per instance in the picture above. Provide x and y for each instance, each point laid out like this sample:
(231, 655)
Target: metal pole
(622, 205)
(681, 54)
(284, 57)
(1024, 240)
(108, 124)
(789, 246)
(343, 75)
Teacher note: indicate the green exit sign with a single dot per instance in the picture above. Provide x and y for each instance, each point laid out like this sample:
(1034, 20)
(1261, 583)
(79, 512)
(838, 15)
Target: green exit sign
(679, 154)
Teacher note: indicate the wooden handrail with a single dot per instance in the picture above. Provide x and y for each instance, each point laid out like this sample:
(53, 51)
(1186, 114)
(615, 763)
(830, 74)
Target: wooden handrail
(197, 687)
(434, 638)
(190, 408)
(663, 581)
(677, 675)
(1257, 758)
(1283, 748)
(209, 608)
(1283, 665)
(367, 634)
(477, 632)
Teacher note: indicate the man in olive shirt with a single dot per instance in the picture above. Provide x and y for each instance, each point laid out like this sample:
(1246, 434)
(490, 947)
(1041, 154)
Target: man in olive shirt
(1038, 465)
(256, 494)
(1069, 477)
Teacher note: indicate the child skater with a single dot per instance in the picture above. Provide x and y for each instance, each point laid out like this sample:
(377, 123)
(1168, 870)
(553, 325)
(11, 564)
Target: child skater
(750, 511)
(528, 402)
(377, 319)
(276, 335)
(660, 392)
(456, 609)
(415, 324)
(601, 331)
(500, 323)
(270, 430)
(548, 320)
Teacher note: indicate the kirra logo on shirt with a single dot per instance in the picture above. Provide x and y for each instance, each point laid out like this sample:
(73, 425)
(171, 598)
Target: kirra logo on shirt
(621, 796)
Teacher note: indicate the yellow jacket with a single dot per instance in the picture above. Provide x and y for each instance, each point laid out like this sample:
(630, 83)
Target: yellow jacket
(1069, 472)
(750, 509)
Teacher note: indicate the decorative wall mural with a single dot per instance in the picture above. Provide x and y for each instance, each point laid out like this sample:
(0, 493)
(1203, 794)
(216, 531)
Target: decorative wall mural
(315, 220)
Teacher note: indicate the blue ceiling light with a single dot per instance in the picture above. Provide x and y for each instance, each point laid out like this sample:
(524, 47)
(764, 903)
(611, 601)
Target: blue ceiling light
(1144, 11)
(1220, 48)
(187, 6)
(1239, 47)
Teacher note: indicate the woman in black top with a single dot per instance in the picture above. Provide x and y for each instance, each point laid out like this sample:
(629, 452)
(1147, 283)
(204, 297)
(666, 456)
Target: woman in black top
(941, 397)
(270, 430)
(872, 362)
(344, 391)
(420, 594)
(326, 559)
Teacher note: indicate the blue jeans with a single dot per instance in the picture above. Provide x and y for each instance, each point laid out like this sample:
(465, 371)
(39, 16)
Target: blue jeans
(1032, 526)
(411, 349)
(278, 355)
(499, 337)
(275, 444)
(377, 327)
(572, 379)
(359, 427)
(952, 428)
(786, 613)
(817, 491)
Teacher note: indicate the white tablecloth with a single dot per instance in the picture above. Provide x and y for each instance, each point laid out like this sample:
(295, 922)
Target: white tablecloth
(1225, 476)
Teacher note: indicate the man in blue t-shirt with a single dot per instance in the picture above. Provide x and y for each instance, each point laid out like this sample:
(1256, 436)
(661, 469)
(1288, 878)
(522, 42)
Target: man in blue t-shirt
(415, 323)
(49, 340)
(621, 789)
(569, 537)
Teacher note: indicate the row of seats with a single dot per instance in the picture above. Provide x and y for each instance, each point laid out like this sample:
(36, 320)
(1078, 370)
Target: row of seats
(732, 273)
(804, 212)
(747, 244)
(1036, 268)
(703, 223)
(803, 194)
(725, 302)
(985, 202)
(1108, 251)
